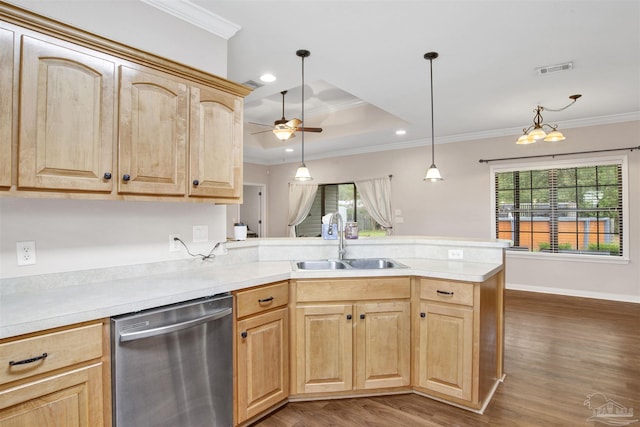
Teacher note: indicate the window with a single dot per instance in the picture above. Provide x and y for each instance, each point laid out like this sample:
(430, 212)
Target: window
(570, 208)
(341, 198)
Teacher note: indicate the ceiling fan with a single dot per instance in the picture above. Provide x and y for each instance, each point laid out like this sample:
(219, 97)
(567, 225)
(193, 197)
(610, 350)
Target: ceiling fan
(285, 129)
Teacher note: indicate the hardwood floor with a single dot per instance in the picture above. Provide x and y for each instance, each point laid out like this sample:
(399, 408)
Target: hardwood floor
(558, 350)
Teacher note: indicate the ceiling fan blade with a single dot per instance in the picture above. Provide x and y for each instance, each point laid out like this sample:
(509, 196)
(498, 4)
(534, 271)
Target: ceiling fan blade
(299, 129)
(262, 131)
(259, 124)
(294, 123)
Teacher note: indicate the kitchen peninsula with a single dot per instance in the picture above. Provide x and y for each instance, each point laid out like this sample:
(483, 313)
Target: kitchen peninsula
(436, 309)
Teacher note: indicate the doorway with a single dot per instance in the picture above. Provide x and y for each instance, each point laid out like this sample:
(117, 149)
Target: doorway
(250, 212)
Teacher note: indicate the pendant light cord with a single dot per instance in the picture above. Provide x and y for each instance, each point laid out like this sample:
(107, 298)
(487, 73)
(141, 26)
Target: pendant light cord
(302, 132)
(432, 121)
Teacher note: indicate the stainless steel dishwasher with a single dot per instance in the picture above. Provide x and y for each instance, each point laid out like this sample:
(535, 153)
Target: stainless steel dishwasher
(172, 366)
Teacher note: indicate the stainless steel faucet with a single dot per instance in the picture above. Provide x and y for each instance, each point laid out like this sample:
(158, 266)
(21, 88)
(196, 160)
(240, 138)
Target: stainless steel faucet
(341, 249)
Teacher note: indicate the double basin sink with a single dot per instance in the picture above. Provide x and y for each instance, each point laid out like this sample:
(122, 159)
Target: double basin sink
(344, 264)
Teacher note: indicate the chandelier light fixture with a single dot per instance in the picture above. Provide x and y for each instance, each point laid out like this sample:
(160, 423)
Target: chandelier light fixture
(433, 174)
(536, 131)
(303, 174)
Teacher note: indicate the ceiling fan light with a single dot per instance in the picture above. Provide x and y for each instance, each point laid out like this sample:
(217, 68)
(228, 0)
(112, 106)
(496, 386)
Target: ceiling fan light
(555, 136)
(525, 139)
(433, 174)
(303, 174)
(282, 132)
(537, 133)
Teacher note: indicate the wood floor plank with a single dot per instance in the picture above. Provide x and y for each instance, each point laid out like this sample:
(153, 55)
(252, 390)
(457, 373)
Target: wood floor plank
(558, 350)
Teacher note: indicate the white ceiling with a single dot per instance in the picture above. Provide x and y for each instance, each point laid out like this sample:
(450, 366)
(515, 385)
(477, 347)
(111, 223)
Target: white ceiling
(366, 76)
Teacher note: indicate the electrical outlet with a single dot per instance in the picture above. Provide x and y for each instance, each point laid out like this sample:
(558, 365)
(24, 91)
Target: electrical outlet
(26, 252)
(455, 254)
(174, 245)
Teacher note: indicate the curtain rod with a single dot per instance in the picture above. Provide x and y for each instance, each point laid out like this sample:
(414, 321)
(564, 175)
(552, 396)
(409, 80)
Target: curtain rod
(560, 154)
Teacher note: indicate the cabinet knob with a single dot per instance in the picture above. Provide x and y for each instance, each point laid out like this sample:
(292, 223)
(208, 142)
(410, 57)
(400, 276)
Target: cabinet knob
(126, 177)
(244, 334)
(196, 182)
(107, 175)
(348, 317)
(362, 316)
(423, 314)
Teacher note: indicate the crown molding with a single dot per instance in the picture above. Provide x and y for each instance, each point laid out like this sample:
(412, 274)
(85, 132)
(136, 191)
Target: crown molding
(197, 15)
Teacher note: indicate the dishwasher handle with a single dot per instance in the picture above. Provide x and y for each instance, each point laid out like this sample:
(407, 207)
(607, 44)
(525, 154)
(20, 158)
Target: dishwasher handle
(146, 333)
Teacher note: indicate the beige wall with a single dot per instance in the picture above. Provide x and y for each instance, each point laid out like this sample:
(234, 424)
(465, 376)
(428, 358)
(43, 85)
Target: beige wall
(141, 26)
(461, 204)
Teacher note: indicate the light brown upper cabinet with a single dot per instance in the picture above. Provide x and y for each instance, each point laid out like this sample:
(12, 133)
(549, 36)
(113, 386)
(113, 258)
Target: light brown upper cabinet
(66, 118)
(153, 133)
(88, 118)
(215, 144)
(6, 105)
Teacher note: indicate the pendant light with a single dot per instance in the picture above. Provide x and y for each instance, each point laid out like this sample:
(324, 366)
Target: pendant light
(433, 174)
(303, 174)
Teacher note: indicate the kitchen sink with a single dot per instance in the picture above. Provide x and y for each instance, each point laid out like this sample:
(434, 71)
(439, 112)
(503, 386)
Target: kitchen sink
(321, 265)
(356, 263)
(373, 263)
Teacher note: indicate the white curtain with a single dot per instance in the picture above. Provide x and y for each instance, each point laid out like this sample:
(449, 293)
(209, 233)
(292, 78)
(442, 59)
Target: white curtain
(376, 197)
(300, 200)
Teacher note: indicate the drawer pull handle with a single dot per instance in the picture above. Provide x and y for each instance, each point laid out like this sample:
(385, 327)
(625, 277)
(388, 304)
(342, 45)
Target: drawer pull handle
(265, 300)
(447, 293)
(26, 361)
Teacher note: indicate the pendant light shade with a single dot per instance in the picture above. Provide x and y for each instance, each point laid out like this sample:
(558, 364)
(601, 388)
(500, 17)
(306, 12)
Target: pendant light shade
(303, 174)
(433, 174)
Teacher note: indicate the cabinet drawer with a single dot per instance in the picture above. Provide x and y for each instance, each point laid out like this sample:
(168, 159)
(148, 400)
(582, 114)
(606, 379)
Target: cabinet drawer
(262, 299)
(362, 288)
(446, 291)
(62, 348)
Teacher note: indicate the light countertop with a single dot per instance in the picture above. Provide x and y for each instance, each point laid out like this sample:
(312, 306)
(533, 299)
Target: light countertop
(35, 310)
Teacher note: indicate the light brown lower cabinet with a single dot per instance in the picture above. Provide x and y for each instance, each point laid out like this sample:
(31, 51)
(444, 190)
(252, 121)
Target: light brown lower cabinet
(351, 335)
(262, 350)
(458, 339)
(56, 378)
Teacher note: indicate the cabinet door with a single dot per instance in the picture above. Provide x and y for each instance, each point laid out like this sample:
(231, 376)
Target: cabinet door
(324, 342)
(153, 133)
(72, 399)
(446, 349)
(215, 148)
(382, 345)
(66, 118)
(6, 105)
(263, 362)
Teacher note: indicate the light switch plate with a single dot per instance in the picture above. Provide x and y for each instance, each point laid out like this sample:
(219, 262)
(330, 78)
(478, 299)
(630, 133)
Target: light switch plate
(200, 233)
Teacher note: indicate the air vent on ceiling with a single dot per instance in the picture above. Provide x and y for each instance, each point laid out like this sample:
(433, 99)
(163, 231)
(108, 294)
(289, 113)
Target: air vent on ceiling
(253, 84)
(553, 68)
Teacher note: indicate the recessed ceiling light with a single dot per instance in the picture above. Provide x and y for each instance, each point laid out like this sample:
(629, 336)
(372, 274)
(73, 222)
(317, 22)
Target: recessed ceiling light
(268, 78)
(401, 132)
(289, 150)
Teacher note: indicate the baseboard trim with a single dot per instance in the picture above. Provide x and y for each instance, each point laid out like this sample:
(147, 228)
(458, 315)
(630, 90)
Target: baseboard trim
(574, 293)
